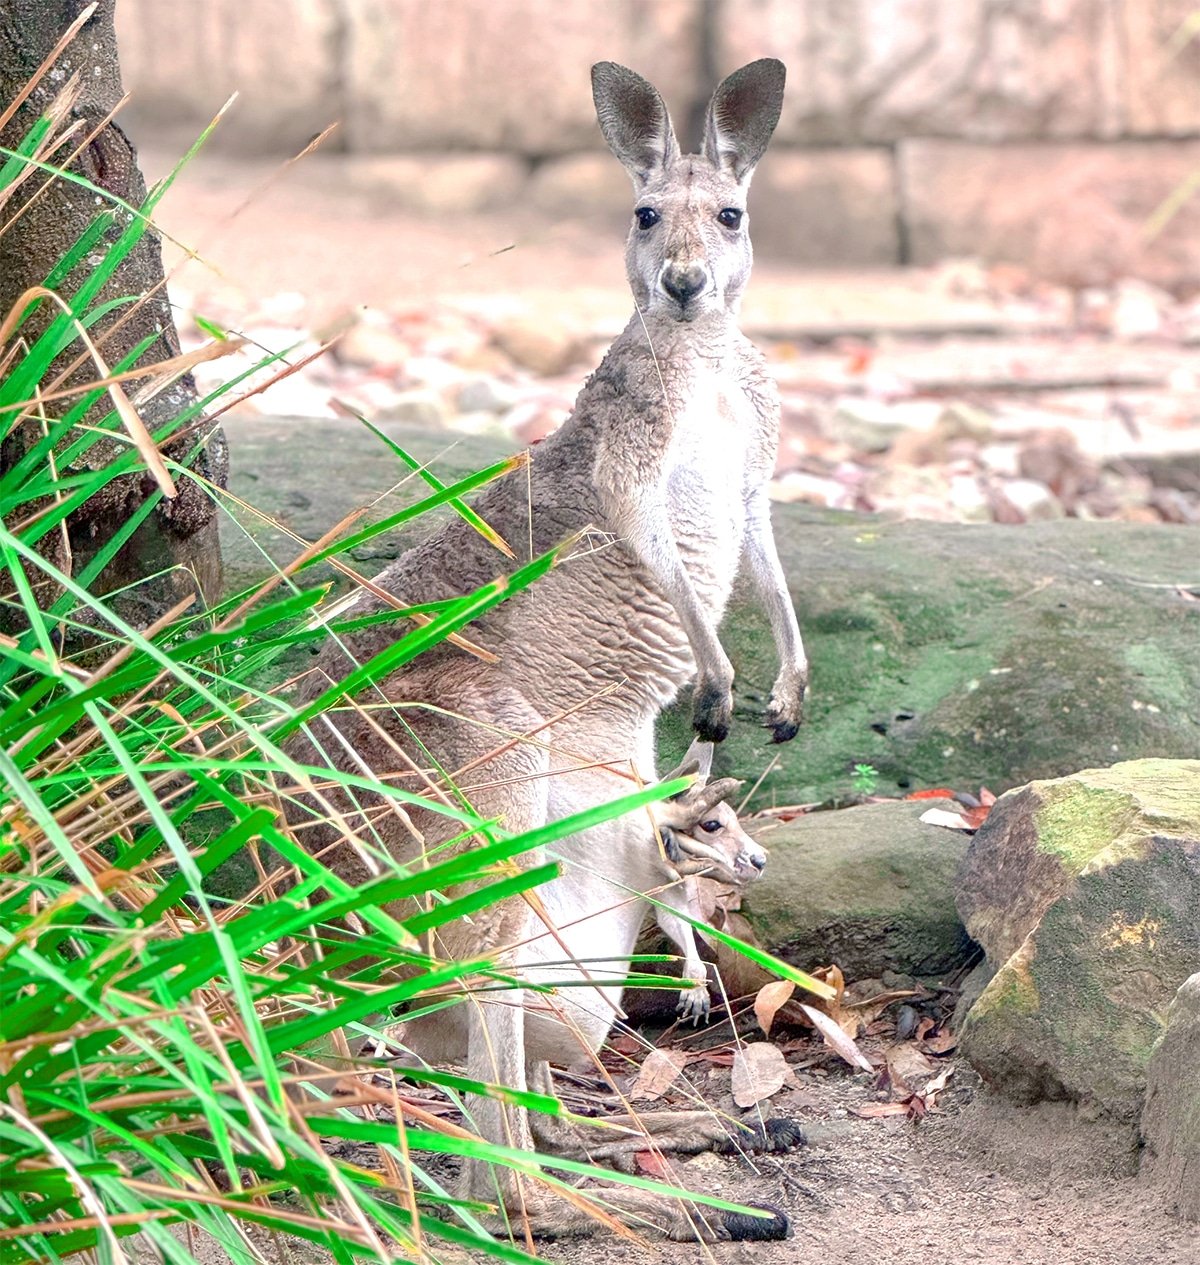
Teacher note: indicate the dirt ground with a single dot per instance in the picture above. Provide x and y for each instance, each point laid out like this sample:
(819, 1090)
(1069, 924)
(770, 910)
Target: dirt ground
(975, 1181)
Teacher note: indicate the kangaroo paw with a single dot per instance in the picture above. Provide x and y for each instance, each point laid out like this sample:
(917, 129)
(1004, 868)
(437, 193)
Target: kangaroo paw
(742, 1228)
(778, 1134)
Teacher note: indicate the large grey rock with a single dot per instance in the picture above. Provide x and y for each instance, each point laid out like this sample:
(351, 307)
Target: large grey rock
(473, 74)
(943, 655)
(870, 888)
(1085, 893)
(1161, 69)
(1074, 213)
(1171, 1118)
(827, 206)
(183, 61)
(878, 71)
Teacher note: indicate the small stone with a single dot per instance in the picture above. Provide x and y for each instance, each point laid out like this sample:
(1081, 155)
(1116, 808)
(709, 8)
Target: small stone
(1138, 309)
(484, 395)
(1033, 501)
(865, 425)
(543, 347)
(368, 345)
(415, 408)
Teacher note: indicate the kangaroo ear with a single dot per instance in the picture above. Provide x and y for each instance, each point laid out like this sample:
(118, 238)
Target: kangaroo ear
(742, 115)
(688, 768)
(634, 121)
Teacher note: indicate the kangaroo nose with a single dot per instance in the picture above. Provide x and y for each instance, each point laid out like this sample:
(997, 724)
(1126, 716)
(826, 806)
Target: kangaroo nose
(759, 863)
(683, 284)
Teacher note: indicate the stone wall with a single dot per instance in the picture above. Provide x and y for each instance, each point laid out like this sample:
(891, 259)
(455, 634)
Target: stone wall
(1046, 132)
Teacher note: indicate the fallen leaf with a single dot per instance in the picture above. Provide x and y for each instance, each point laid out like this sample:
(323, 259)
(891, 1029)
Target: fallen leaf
(907, 1065)
(938, 1083)
(835, 1038)
(977, 816)
(943, 817)
(938, 792)
(658, 1073)
(986, 798)
(652, 1164)
(759, 1070)
(875, 1110)
(768, 1000)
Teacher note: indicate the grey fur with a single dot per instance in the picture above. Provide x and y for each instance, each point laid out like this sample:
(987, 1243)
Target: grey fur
(662, 467)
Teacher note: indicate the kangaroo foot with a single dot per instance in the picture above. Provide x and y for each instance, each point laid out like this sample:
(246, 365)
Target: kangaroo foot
(651, 1214)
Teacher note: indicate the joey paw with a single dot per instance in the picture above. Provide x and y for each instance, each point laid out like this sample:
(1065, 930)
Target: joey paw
(694, 1004)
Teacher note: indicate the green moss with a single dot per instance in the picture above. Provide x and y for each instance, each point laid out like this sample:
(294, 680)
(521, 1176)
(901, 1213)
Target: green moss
(1012, 991)
(1076, 822)
(1162, 682)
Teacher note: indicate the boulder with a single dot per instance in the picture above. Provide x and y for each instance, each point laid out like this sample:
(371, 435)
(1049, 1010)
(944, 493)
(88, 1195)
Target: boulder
(1084, 893)
(870, 888)
(942, 655)
(1171, 1117)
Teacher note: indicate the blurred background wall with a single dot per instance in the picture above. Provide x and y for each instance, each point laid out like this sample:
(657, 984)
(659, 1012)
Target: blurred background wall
(1049, 132)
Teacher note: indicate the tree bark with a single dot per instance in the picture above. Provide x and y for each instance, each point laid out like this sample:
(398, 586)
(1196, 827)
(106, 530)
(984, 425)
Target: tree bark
(179, 538)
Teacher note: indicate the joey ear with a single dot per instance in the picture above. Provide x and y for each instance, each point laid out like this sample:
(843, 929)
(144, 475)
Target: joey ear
(702, 754)
(688, 768)
(742, 115)
(634, 121)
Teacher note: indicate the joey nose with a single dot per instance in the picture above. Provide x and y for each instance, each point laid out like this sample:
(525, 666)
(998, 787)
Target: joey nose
(759, 863)
(683, 284)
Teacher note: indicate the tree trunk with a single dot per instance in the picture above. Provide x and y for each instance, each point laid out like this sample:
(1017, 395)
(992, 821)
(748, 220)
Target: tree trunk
(177, 544)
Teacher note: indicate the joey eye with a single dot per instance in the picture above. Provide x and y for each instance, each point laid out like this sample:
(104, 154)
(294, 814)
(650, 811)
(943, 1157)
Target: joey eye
(647, 217)
(711, 826)
(731, 217)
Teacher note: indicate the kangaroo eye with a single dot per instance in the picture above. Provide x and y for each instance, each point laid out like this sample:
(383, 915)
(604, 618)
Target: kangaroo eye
(731, 217)
(647, 217)
(710, 827)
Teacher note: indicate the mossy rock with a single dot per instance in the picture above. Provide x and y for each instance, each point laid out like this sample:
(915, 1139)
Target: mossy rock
(941, 654)
(1038, 839)
(1096, 881)
(1171, 1118)
(870, 888)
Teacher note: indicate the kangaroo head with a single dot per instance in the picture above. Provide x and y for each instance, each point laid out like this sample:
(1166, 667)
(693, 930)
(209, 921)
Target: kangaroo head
(689, 249)
(700, 829)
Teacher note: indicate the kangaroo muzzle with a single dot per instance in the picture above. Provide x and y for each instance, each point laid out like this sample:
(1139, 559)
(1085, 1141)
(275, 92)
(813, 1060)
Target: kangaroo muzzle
(684, 282)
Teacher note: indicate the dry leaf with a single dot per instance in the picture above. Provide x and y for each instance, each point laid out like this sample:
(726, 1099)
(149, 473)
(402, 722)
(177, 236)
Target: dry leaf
(938, 1083)
(759, 1070)
(907, 1066)
(876, 1110)
(835, 1038)
(768, 1000)
(658, 1073)
(653, 1164)
(943, 817)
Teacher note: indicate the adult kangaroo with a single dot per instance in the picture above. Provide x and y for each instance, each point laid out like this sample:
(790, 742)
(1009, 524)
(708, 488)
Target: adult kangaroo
(663, 466)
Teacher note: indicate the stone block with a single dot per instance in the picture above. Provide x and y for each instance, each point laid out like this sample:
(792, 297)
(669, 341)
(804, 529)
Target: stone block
(438, 183)
(984, 70)
(182, 61)
(829, 206)
(1161, 71)
(474, 74)
(1076, 214)
(590, 186)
